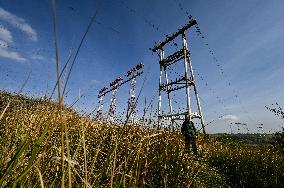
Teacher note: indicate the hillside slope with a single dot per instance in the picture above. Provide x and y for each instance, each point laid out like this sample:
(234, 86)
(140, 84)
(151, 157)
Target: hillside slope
(103, 155)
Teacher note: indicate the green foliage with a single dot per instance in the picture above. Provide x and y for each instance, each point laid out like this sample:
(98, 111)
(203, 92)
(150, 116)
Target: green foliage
(279, 139)
(228, 140)
(249, 166)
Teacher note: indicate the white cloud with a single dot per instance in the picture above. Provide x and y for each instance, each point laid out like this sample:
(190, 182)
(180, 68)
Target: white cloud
(19, 23)
(229, 117)
(5, 35)
(4, 52)
(12, 55)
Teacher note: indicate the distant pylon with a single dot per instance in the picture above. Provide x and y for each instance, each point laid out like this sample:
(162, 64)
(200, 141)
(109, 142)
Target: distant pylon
(99, 114)
(112, 108)
(185, 81)
(113, 87)
(132, 103)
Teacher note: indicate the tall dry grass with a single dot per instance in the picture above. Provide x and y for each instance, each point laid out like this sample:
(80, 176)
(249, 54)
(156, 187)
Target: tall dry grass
(101, 155)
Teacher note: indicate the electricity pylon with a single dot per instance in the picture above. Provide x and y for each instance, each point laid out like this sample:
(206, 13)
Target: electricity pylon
(112, 108)
(132, 101)
(186, 81)
(99, 114)
(113, 87)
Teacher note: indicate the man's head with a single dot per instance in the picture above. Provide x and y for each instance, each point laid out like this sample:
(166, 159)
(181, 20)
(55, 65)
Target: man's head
(186, 118)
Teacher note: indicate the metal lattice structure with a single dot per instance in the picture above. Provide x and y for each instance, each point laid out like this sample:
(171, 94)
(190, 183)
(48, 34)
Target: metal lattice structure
(112, 108)
(99, 114)
(132, 103)
(113, 87)
(185, 81)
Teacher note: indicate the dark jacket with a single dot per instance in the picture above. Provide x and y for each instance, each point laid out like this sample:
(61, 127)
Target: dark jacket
(188, 130)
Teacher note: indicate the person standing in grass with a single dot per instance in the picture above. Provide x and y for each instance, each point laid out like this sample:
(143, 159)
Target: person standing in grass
(189, 132)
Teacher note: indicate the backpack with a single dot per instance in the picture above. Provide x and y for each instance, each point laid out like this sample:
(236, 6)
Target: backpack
(188, 129)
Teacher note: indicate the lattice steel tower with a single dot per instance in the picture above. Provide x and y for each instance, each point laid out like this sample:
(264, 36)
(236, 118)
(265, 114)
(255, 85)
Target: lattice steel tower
(132, 103)
(112, 108)
(186, 81)
(113, 88)
(99, 114)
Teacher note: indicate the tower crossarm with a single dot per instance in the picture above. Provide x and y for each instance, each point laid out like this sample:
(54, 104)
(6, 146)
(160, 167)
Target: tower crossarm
(175, 85)
(104, 92)
(179, 116)
(132, 77)
(173, 36)
(176, 88)
(175, 57)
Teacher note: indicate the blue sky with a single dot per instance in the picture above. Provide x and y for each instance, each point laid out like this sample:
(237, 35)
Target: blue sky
(246, 37)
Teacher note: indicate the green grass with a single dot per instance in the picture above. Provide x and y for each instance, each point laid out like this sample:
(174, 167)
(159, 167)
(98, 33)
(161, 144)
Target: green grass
(105, 155)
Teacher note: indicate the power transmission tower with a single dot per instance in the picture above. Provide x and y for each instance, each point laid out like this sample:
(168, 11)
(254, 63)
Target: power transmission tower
(99, 114)
(112, 108)
(113, 87)
(186, 81)
(132, 103)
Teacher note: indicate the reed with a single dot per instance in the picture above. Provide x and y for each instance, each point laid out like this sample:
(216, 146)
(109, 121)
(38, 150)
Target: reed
(119, 155)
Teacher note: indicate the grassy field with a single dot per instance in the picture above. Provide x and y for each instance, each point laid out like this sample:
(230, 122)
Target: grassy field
(106, 155)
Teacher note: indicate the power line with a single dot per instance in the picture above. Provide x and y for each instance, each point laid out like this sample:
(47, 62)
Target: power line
(216, 61)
